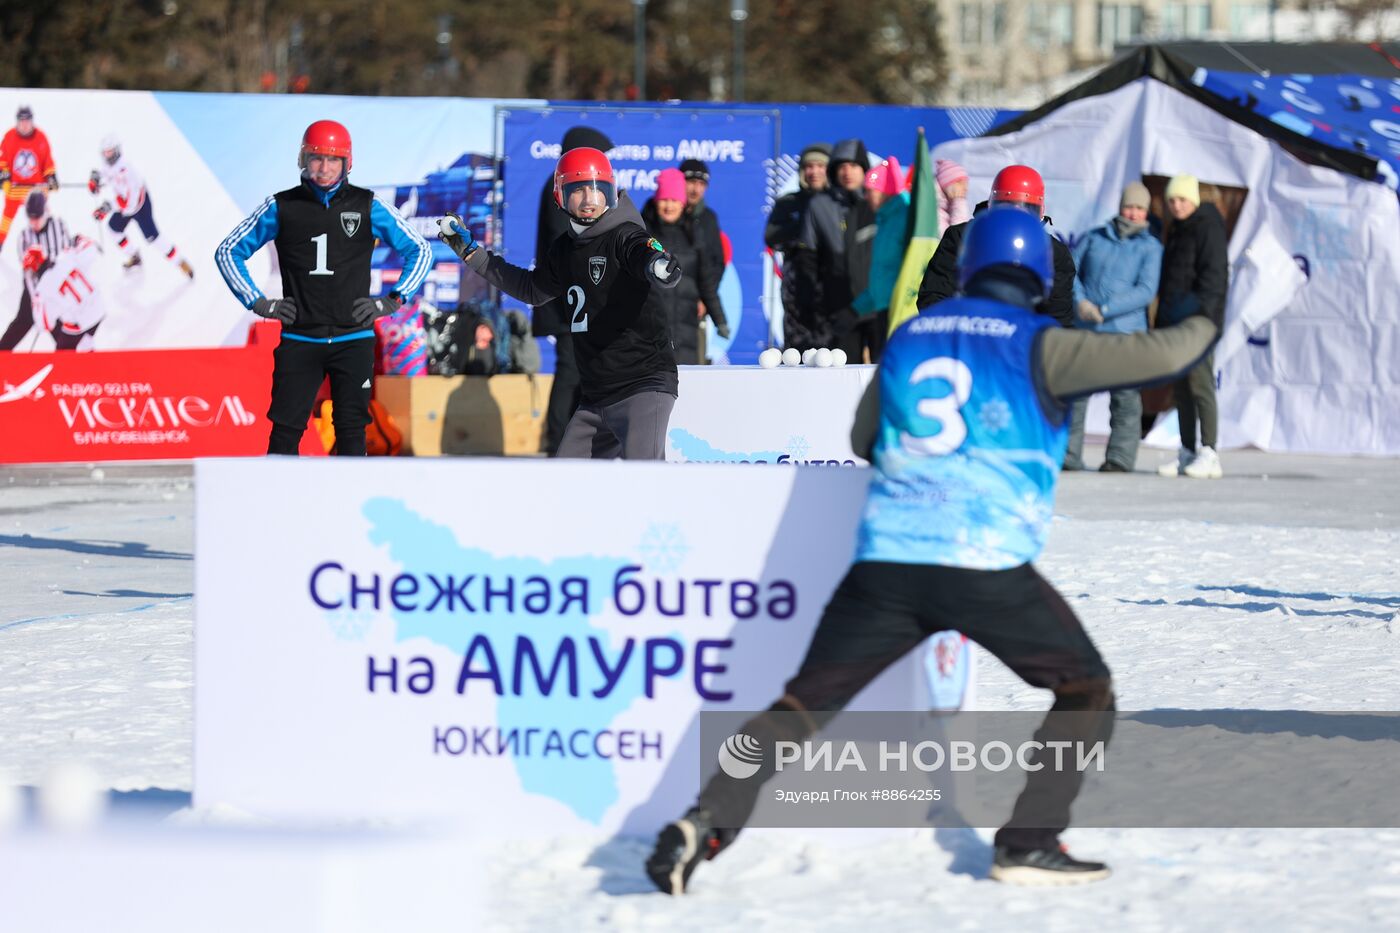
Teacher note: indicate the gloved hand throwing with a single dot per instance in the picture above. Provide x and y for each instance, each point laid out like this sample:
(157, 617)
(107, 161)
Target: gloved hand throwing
(366, 310)
(94, 182)
(456, 234)
(665, 269)
(52, 182)
(102, 211)
(283, 309)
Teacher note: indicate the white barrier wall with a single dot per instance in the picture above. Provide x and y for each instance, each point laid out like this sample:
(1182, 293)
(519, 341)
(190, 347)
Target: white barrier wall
(522, 644)
(787, 415)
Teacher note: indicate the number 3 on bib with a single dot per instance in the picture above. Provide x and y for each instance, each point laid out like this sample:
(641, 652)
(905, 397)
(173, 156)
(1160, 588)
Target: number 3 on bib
(578, 321)
(944, 411)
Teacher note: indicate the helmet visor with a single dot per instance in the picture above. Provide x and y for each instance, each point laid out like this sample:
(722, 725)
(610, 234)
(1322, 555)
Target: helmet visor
(590, 192)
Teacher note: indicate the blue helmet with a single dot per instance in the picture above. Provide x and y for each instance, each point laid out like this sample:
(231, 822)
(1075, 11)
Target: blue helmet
(1006, 237)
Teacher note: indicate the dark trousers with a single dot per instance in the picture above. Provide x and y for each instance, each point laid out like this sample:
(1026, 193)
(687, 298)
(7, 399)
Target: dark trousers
(24, 319)
(298, 368)
(633, 429)
(882, 611)
(563, 394)
(867, 336)
(1195, 399)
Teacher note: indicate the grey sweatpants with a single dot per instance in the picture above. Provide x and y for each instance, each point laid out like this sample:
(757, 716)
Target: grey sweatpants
(633, 429)
(1124, 430)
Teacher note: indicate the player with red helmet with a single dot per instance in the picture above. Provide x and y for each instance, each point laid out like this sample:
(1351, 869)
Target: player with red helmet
(605, 267)
(1017, 186)
(325, 230)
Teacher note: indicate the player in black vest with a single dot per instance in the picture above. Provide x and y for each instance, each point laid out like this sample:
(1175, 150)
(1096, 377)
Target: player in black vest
(604, 267)
(325, 230)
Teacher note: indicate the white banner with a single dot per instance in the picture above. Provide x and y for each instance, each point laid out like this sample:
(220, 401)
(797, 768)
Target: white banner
(399, 638)
(787, 415)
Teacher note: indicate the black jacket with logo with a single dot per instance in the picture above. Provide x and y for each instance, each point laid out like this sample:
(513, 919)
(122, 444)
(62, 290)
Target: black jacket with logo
(621, 340)
(324, 298)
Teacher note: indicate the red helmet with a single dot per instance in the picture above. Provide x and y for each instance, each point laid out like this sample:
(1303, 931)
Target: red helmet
(1019, 184)
(34, 258)
(584, 167)
(325, 137)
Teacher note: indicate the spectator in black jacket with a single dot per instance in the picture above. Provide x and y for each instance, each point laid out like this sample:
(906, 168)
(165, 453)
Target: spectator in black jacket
(551, 319)
(1195, 278)
(704, 222)
(666, 220)
(1021, 186)
(785, 220)
(818, 263)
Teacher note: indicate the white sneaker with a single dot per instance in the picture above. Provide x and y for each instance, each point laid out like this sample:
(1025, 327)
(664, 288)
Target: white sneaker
(1206, 465)
(1183, 457)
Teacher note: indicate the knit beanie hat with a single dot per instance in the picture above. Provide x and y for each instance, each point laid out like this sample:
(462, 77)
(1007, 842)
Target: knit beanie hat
(949, 173)
(1135, 195)
(1185, 186)
(670, 185)
(887, 177)
(815, 152)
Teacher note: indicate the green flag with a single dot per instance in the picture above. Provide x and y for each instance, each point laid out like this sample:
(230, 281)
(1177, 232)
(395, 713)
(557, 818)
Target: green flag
(922, 238)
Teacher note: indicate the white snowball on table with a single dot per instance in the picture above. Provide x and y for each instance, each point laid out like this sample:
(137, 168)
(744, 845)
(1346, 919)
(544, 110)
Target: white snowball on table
(770, 358)
(807, 355)
(791, 357)
(838, 357)
(822, 357)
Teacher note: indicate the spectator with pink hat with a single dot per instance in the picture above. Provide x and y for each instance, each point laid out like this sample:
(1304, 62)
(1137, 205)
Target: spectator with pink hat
(887, 197)
(683, 235)
(952, 182)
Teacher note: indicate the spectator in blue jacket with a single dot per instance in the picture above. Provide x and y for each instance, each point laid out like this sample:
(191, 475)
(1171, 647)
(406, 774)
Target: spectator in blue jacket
(1117, 269)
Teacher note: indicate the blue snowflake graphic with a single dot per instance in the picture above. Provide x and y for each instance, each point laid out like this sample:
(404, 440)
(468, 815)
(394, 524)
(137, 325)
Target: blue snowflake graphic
(663, 548)
(995, 415)
(349, 624)
(798, 447)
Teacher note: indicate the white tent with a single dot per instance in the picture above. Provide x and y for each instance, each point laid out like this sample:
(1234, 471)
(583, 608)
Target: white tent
(1310, 358)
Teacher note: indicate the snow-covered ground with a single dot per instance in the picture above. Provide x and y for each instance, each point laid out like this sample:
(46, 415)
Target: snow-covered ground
(1274, 588)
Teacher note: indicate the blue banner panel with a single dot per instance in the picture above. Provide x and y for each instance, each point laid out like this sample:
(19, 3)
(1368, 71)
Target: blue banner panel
(738, 147)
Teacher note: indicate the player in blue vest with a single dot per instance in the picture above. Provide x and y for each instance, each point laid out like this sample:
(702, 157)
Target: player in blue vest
(966, 427)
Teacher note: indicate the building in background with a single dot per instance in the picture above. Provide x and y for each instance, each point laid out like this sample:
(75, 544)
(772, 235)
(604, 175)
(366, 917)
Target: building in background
(1020, 53)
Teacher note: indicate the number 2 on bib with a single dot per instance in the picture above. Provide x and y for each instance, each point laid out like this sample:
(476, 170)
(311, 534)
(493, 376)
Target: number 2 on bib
(578, 320)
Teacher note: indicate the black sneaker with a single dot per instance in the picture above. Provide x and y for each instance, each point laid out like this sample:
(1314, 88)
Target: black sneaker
(1044, 867)
(1110, 467)
(680, 847)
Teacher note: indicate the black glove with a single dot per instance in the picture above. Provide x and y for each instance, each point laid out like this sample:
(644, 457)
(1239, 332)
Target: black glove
(366, 310)
(283, 309)
(94, 182)
(4, 175)
(456, 234)
(52, 182)
(721, 328)
(102, 211)
(664, 270)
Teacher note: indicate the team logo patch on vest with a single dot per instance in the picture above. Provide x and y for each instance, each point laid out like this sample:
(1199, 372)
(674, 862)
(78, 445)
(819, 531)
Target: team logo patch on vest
(597, 265)
(350, 222)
